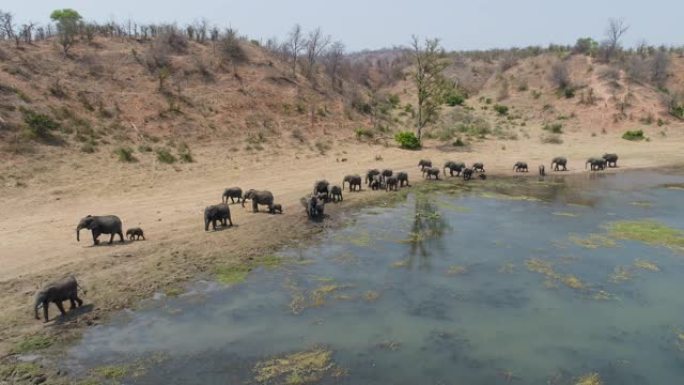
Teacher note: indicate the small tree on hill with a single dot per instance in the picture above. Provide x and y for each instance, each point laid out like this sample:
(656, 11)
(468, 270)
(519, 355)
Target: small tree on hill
(429, 80)
(614, 32)
(295, 45)
(68, 21)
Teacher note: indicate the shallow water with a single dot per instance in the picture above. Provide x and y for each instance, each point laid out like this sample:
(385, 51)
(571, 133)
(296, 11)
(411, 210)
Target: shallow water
(446, 287)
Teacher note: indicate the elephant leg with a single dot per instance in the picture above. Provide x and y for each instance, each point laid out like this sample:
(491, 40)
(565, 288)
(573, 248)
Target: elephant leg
(78, 300)
(213, 224)
(60, 307)
(121, 237)
(72, 303)
(111, 238)
(255, 206)
(95, 235)
(45, 311)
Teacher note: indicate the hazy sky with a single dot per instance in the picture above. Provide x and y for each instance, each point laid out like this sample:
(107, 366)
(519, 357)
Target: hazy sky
(360, 24)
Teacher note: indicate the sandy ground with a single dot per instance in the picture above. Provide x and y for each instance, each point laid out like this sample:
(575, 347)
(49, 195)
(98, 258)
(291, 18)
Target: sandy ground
(37, 225)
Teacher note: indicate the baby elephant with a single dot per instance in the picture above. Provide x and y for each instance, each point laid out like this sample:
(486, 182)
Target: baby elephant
(336, 193)
(217, 213)
(135, 233)
(57, 292)
(276, 208)
(430, 172)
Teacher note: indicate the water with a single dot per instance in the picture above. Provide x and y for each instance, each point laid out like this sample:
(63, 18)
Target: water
(443, 288)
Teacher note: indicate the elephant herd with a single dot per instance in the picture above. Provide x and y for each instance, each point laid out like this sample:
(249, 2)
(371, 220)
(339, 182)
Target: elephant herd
(314, 205)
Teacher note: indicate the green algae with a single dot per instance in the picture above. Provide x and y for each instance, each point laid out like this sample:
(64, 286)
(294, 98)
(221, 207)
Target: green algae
(649, 232)
(33, 343)
(112, 372)
(593, 241)
(305, 367)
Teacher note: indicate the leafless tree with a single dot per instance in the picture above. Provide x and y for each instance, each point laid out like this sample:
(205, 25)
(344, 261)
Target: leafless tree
(315, 45)
(333, 62)
(659, 67)
(616, 29)
(27, 32)
(7, 27)
(295, 45)
(560, 76)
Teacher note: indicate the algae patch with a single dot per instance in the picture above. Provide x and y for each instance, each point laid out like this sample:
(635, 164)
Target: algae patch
(649, 232)
(621, 274)
(112, 372)
(564, 214)
(646, 265)
(33, 343)
(456, 270)
(235, 274)
(589, 379)
(306, 367)
(593, 241)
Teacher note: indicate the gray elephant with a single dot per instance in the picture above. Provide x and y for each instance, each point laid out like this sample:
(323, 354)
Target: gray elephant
(453, 167)
(336, 193)
(424, 163)
(264, 198)
(520, 167)
(403, 179)
(57, 292)
(322, 187)
(611, 159)
(217, 213)
(232, 193)
(276, 208)
(558, 162)
(105, 224)
(430, 172)
(354, 182)
(314, 206)
(467, 174)
(392, 183)
(135, 233)
(596, 164)
(478, 167)
(376, 183)
(370, 174)
(542, 170)
(386, 173)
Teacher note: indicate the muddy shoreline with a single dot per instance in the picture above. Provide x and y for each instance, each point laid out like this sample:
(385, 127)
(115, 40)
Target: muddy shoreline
(168, 269)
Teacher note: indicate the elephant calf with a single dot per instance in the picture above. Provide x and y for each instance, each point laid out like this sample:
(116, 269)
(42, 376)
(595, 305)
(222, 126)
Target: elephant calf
(542, 170)
(276, 208)
(392, 183)
(57, 292)
(430, 172)
(478, 167)
(467, 174)
(135, 232)
(336, 193)
(231, 193)
(403, 179)
(370, 174)
(424, 163)
(520, 167)
(315, 206)
(354, 182)
(217, 213)
(106, 224)
(322, 187)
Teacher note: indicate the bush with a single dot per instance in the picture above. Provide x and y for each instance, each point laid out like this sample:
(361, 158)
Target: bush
(184, 153)
(551, 139)
(635, 135)
(555, 128)
(144, 148)
(569, 93)
(501, 109)
(394, 100)
(455, 99)
(125, 154)
(164, 156)
(407, 140)
(458, 143)
(362, 133)
(39, 125)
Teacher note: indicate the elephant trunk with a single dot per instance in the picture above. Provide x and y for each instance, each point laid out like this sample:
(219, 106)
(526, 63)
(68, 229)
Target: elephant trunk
(78, 233)
(37, 306)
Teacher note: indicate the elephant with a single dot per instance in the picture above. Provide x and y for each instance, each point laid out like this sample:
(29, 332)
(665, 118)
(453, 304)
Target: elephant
(478, 167)
(354, 182)
(322, 187)
(520, 167)
(264, 198)
(370, 174)
(542, 170)
(424, 163)
(453, 167)
(558, 162)
(386, 173)
(276, 208)
(392, 183)
(430, 172)
(214, 213)
(402, 177)
(467, 174)
(315, 207)
(596, 164)
(232, 193)
(57, 292)
(611, 159)
(135, 232)
(336, 194)
(105, 224)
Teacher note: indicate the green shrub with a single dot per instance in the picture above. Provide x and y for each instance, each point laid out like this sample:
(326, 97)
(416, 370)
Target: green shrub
(554, 128)
(677, 111)
(536, 94)
(635, 135)
(394, 100)
(164, 156)
(362, 133)
(501, 109)
(455, 99)
(458, 143)
(407, 140)
(569, 92)
(39, 125)
(145, 148)
(184, 153)
(125, 154)
(488, 100)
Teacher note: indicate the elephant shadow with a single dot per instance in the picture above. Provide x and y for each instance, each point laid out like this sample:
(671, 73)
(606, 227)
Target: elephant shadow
(72, 314)
(115, 243)
(223, 228)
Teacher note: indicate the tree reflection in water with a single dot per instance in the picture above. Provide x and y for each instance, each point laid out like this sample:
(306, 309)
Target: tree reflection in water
(428, 225)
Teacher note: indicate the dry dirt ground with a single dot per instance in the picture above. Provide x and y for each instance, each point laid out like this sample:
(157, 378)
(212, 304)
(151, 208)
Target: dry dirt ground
(37, 225)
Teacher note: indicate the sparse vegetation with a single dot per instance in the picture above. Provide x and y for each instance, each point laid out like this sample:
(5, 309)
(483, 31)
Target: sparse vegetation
(501, 109)
(554, 128)
(125, 154)
(165, 156)
(635, 135)
(39, 126)
(551, 139)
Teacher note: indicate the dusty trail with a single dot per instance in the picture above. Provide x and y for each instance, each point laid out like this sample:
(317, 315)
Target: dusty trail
(37, 226)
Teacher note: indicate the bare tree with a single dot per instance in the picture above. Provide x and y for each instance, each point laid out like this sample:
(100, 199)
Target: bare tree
(7, 27)
(295, 45)
(616, 29)
(333, 62)
(27, 32)
(560, 76)
(315, 44)
(429, 80)
(659, 67)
